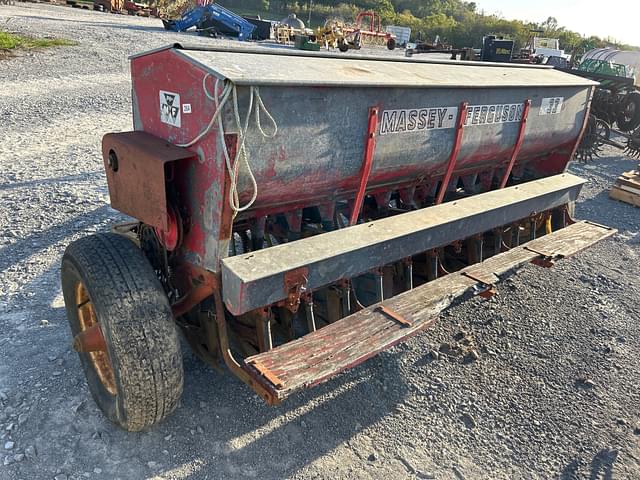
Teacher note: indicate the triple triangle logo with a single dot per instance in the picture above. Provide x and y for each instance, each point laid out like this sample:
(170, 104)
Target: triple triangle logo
(170, 108)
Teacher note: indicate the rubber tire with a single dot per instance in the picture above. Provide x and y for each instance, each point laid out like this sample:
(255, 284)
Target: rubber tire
(633, 123)
(343, 47)
(137, 323)
(391, 44)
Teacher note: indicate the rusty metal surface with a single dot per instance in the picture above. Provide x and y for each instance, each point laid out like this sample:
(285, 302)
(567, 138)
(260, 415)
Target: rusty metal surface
(254, 280)
(90, 340)
(261, 385)
(135, 166)
(196, 284)
(295, 284)
(395, 315)
(318, 356)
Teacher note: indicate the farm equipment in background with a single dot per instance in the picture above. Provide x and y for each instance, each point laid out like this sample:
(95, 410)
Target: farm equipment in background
(133, 8)
(289, 28)
(539, 49)
(372, 34)
(615, 108)
(212, 19)
(296, 214)
(304, 42)
(496, 49)
(401, 34)
(126, 6)
(108, 5)
(437, 47)
(332, 35)
(499, 49)
(264, 28)
(617, 99)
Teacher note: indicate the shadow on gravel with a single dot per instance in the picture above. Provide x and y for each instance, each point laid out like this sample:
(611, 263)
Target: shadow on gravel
(222, 430)
(601, 467)
(32, 244)
(68, 178)
(570, 472)
(259, 441)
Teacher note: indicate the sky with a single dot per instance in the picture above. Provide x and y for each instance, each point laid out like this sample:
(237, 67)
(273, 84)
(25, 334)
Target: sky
(619, 19)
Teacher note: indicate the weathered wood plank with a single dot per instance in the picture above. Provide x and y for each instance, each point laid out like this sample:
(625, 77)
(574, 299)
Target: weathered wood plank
(320, 355)
(618, 194)
(629, 183)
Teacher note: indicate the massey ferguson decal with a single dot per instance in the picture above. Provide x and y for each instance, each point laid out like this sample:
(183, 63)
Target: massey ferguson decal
(489, 114)
(417, 120)
(434, 118)
(170, 108)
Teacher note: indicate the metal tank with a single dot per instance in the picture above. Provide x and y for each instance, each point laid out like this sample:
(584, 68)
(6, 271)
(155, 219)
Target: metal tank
(321, 108)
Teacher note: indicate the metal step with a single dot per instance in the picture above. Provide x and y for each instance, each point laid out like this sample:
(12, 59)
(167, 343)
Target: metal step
(318, 356)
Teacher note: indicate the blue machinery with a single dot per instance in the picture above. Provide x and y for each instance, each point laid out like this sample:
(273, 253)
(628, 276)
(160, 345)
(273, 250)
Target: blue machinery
(224, 21)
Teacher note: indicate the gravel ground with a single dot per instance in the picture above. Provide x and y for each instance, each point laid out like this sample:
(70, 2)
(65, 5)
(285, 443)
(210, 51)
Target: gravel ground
(553, 393)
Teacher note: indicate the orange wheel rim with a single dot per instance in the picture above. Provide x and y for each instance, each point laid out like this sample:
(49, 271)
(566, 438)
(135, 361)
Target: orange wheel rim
(100, 361)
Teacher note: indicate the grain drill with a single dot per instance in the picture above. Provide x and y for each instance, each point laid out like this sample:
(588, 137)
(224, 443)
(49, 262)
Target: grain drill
(296, 214)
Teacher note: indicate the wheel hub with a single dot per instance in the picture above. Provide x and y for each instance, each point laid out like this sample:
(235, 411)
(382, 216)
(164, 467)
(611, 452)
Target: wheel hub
(90, 340)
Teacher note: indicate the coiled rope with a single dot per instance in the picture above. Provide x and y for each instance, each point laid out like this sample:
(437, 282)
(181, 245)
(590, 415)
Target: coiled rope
(256, 106)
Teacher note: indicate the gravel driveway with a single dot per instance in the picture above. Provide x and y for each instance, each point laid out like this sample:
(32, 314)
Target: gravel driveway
(554, 393)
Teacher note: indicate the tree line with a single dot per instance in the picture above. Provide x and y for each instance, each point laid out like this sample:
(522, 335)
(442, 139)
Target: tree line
(456, 22)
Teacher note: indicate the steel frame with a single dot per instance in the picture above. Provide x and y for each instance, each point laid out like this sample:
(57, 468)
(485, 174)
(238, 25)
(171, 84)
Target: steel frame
(518, 145)
(369, 149)
(453, 158)
(257, 279)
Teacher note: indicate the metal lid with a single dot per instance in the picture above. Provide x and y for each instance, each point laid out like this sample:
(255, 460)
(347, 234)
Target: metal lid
(285, 67)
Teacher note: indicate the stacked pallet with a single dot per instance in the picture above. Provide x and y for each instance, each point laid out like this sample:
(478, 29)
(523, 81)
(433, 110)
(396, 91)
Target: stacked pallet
(627, 188)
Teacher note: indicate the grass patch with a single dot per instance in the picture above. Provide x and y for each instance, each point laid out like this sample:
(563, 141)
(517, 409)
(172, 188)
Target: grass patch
(12, 41)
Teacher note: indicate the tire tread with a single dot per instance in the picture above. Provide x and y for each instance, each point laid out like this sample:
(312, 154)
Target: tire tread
(146, 352)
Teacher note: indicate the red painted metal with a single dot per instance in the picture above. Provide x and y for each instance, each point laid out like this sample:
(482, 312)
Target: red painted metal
(518, 145)
(170, 236)
(375, 22)
(451, 165)
(369, 149)
(135, 163)
(200, 185)
(197, 285)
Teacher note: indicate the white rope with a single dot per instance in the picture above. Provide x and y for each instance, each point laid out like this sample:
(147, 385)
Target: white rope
(260, 106)
(224, 97)
(242, 156)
